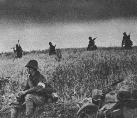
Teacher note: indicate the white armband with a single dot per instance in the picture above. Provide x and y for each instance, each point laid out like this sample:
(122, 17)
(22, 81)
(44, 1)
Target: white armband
(54, 94)
(41, 84)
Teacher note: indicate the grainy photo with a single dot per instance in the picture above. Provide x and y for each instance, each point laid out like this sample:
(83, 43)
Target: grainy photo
(68, 58)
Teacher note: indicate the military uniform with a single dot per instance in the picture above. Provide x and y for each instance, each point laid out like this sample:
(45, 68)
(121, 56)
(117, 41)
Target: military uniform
(34, 96)
(126, 42)
(52, 49)
(91, 45)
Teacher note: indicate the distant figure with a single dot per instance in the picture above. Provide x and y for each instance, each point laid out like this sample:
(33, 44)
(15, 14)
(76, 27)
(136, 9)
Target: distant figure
(52, 49)
(126, 42)
(17, 51)
(91, 45)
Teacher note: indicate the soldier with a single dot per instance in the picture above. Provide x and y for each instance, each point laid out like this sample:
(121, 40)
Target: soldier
(91, 41)
(126, 101)
(126, 42)
(125, 37)
(35, 92)
(99, 98)
(52, 50)
(19, 50)
(91, 45)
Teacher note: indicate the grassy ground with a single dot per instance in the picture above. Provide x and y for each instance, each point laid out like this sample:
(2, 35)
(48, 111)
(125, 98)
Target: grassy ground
(78, 72)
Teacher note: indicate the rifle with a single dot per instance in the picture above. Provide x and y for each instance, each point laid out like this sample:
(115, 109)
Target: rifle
(115, 83)
(108, 88)
(94, 38)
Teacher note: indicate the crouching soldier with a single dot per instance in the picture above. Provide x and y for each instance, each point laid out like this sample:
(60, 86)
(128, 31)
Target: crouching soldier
(35, 93)
(110, 109)
(123, 104)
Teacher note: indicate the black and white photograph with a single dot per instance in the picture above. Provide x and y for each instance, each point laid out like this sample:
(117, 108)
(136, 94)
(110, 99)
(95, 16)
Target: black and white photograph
(68, 58)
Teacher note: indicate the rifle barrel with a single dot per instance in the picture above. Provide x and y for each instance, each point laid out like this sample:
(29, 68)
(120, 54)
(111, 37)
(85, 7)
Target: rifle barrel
(107, 88)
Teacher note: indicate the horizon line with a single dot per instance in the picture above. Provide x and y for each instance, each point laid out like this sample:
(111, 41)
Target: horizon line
(40, 50)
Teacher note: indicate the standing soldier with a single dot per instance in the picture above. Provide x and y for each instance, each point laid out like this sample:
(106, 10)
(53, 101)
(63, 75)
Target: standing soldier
(19, 50)
(126, 42)
(91, 45)
(91, 41)
(52, 50)
(125, 37)
(35, 92)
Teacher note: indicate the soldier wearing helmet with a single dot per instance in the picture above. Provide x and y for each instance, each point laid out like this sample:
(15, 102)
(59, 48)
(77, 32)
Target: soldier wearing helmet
(91, 45)
(19, 50)
(126, 42)
(52, 49)
(33, 94)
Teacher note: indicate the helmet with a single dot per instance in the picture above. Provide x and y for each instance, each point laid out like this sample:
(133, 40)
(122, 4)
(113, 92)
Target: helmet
(32, 64)
(124, 32)
(50, 43)
(90, 37)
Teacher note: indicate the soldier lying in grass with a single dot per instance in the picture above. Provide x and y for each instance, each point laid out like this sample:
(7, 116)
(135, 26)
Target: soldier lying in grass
(36, 92)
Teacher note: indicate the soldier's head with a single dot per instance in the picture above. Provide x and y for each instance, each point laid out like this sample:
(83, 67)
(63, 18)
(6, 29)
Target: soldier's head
(90, 38)
(50, 43)
(32, 67)
(124, 33)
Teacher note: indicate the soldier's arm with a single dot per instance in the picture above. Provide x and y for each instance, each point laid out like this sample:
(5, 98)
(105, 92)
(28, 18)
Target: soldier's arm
(94, 39)
(32, 90)
(26, 86)
(40, 86)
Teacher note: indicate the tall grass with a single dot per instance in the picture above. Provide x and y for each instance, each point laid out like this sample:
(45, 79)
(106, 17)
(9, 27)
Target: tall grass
(78, 72)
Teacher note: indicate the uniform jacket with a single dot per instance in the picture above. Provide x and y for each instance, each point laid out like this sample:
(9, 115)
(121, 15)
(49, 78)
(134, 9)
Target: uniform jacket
(32, 85)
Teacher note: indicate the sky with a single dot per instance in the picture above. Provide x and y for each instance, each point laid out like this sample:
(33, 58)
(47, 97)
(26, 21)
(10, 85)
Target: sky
(66, 10)
(66, 23)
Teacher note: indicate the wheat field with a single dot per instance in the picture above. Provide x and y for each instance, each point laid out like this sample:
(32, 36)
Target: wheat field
(74, 76)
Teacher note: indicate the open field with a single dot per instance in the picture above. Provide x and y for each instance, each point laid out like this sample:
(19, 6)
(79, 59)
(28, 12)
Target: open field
(78, 72)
